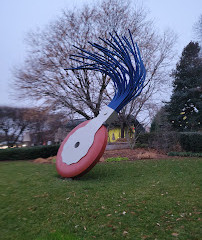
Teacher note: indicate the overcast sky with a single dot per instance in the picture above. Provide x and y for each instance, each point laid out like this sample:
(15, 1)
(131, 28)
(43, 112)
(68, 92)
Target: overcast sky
(17, 17)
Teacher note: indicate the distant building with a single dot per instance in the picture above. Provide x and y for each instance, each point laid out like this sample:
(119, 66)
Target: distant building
(27, 139)
(114, 130)
(117, 131)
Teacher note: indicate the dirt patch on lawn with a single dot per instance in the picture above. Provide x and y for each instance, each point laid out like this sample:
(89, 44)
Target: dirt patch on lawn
(49, 160)
(134, 154)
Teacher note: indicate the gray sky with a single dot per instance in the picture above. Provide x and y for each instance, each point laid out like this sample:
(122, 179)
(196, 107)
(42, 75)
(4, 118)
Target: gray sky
(19, 17)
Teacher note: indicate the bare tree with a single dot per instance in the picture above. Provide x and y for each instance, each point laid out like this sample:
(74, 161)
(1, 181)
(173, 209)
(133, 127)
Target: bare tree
(12, 124)
(84, 92)
(40, 123)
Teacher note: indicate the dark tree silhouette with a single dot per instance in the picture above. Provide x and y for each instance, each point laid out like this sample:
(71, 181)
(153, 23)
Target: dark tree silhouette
(185, 108)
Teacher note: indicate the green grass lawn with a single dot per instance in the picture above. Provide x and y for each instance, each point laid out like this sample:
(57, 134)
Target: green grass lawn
(153, 199)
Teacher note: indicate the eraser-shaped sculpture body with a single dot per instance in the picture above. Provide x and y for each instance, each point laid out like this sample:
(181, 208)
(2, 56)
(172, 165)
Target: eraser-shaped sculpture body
(120, 59)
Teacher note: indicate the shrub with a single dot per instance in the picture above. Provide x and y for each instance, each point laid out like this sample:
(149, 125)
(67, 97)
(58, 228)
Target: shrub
(191, 141)
(141, 145)
(167, 140)
(28, 153)
(172, 141)
(145, 138)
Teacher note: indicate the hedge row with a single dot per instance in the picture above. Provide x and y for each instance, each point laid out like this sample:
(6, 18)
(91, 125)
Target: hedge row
(191, 141)
(167, 141)
(28, 152)
(173, 141)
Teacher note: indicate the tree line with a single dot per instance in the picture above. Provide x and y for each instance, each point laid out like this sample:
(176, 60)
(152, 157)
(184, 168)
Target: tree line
(41, 124)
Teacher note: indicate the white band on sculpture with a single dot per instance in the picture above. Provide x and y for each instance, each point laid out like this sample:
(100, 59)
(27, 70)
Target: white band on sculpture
(80, 141)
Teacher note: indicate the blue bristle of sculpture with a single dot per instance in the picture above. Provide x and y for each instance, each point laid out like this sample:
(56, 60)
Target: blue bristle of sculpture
(121, 61)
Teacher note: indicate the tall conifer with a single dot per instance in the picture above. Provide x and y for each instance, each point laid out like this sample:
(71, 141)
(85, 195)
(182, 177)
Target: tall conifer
(184, 108)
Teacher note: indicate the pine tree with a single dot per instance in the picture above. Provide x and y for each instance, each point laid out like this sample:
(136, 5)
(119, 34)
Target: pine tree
(160, 122)
(184, 108)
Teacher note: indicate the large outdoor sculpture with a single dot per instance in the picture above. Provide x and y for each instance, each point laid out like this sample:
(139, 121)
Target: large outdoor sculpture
(120, 59)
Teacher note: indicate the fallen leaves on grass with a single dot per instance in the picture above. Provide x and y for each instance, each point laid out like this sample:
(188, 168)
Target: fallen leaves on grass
(125, 232)
(174, 234)
(133, 213)
(41, 195)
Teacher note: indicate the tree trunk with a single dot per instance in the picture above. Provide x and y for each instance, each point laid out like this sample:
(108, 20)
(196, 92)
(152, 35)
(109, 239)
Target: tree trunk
(122, 130)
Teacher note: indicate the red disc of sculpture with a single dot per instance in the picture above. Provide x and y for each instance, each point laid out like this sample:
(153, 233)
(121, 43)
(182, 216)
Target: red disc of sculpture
(89, 160)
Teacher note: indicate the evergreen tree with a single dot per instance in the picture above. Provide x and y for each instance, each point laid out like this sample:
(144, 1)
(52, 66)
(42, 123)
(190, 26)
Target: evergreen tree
(160, 122)
(184, 109)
